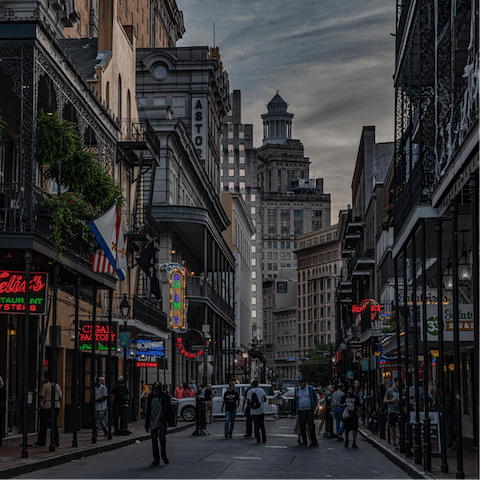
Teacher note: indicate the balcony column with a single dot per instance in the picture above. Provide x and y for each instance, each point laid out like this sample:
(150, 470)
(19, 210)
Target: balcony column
(456, 343)
(441, 358)
(408, 442)
(109, 357)
(205, 252)
(401, 418)
(475, 288)
(213, 279)
(427, 446)
(418, 431)
(92, 366)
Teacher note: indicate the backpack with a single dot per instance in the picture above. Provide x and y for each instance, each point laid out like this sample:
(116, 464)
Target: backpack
(254, 401)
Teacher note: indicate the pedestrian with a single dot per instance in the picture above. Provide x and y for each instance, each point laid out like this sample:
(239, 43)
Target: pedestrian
(144, 390)
(119, 396)
(46, 410)
(159, 412)
(338, 410)
(411, 395)
(179, 391)
(321, 411)
(101, 396)
(392, 400)
(256, 396)
(306, 402)
(189, 392)
(3, 407)
(193, 386)
(231, 401)
(209, 394)
(248, 414)
(351, 403)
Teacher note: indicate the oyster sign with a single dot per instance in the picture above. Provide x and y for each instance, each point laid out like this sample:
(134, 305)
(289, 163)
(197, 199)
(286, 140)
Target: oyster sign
(178, 301)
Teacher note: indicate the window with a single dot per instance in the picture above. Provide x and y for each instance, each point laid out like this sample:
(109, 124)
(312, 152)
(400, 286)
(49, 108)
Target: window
(119, 97)
(242, 172)
(241, 135)
(252, 210)
(221, 172)
(141, 102)
(231, 172)
(254, 274)
(274, 244)
(252, 197)
(272, 212)
(254, 300)
(157, 101)
(242, 185)
(254, 287)
(231, 159)
(241, 147)
(230, 147)
(269, 244)
(230, 134)
(254, 262)
(231, 185)
(179, 106)
(298, 223)
(274, 255)
(298, 213)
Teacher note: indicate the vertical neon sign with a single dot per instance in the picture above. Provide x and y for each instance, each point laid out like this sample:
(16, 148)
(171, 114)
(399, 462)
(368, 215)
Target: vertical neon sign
(178, 302)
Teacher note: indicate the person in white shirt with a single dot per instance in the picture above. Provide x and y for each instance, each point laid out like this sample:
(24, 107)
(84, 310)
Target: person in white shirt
(101, 395)
(257, 412)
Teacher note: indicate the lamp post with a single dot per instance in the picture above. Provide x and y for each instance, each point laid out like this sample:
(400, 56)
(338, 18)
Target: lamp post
(125, 309)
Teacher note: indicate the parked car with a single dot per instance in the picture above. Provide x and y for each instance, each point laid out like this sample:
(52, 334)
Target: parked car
(187, 406)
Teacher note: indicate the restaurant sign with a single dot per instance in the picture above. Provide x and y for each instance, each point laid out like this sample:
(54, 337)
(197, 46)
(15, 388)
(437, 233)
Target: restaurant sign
(102, 336)
(12, 292)
(466, 324)
(178, 301)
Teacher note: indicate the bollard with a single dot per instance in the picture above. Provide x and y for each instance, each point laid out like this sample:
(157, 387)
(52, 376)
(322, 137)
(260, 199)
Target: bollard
(381, 423)
(329, 422)
(124, 418)
(200, 423)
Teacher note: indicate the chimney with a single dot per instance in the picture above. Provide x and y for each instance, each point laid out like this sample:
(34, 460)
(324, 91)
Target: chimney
(107, 15)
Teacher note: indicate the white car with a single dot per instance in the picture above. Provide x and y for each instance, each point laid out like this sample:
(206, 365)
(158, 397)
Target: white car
(187, 406)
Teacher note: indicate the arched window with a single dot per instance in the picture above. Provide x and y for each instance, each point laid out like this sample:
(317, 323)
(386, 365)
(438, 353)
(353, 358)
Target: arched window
(107, 95)
(119, 98)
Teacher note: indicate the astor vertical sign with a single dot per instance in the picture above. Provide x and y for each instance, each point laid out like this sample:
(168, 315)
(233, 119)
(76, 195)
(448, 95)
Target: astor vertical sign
(12, 292)
(199, 125)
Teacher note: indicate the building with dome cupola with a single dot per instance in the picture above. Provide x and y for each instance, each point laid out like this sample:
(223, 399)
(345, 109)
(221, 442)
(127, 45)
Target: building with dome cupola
(277, 122)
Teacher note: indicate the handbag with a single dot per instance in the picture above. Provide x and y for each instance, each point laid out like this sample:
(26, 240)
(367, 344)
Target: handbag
(346, 413)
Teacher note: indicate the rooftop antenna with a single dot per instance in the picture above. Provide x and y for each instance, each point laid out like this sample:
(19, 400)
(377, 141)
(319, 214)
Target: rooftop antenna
(213, 34)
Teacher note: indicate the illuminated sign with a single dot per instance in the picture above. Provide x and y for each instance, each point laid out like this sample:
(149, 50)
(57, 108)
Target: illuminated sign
(146, 364)
(178, 302)
(12, 292)
(148, 351)
(186, 354)
(370, 305)
(466, 324)
(102, 336)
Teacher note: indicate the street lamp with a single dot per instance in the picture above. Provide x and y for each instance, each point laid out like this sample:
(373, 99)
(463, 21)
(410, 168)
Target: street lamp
(448, 275)
(125, 309)
(464, 267)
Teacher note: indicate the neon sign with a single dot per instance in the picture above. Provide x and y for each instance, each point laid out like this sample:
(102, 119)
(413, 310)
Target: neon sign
(102, 336)
(13, 289)
(147, 364)
(178, 302)
(186, 354)
(368, 304)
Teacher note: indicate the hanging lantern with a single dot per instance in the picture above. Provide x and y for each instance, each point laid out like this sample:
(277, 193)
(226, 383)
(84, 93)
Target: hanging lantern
(448, 275)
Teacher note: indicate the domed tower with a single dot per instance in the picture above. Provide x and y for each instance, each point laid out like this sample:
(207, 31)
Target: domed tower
(277, 123)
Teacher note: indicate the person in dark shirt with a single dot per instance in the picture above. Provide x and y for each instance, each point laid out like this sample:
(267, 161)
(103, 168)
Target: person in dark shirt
(159, 411)
(119, 395)
(352, 403)
(209, 394)
(231, 401)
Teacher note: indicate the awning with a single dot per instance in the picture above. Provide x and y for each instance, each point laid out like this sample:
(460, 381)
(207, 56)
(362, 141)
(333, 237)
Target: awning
(137, 326)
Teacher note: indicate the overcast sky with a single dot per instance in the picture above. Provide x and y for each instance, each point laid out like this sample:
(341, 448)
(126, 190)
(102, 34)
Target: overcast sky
(332, 61)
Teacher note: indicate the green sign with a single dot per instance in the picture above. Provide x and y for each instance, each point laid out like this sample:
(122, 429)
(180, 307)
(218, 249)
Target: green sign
(124, 339)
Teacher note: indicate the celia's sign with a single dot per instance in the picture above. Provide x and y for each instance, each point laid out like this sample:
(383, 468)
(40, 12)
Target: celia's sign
(102, 336)
(13, 290)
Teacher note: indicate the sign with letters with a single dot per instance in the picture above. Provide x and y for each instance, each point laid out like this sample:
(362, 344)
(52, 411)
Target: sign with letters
(102, 336)
(465, 322)
(199, 125)
(12, 292)
(282, 287)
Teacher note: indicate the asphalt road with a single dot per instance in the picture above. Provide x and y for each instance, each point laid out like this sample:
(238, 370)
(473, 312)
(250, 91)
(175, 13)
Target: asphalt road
(215, 456)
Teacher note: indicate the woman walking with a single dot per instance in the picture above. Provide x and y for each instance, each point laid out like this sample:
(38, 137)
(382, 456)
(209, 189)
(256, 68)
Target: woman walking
(351, 404)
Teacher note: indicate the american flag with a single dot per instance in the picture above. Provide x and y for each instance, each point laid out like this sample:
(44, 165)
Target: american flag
(100, 263)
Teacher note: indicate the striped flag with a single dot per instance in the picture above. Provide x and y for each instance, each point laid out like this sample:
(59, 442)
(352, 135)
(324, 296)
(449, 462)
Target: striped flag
(100, 263)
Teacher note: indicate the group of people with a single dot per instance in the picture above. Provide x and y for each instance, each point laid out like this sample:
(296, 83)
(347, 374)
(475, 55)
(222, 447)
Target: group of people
(185, 390)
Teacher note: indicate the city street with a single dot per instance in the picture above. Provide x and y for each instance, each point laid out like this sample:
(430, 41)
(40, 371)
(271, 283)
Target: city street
(215, 456)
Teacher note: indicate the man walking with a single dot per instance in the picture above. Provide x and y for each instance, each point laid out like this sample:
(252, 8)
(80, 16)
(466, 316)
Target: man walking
(209, 403)
(101, 396)
(248, 415)
(256, 396)
(159, 411)
(392, 400)
(306, 401)
(46, 411)
(338, 410)
(231, 401)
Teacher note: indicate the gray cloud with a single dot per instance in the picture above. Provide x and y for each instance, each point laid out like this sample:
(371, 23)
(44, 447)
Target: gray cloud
(331, 61)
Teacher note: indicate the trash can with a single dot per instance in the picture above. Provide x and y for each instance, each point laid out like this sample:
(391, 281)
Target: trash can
(173, 421)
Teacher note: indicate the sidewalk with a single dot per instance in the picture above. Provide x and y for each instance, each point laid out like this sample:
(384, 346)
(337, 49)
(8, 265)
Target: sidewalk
(11, 463)
(470, 465)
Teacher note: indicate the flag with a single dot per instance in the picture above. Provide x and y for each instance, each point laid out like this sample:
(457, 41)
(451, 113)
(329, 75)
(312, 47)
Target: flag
(146, 262)
(109, 234)
(100, 263)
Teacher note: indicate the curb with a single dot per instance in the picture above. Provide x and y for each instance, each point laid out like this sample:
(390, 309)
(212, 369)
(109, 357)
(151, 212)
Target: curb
(398, 460)
(10, 472)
